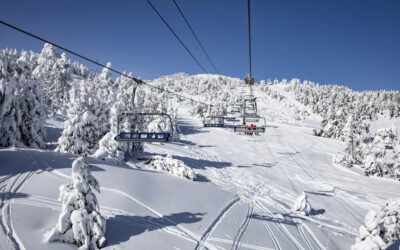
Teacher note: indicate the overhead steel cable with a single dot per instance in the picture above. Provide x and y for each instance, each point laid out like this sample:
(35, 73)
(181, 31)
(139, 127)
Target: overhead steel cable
(177, 37)
(249, 23)
(138, 81)
(195, 36)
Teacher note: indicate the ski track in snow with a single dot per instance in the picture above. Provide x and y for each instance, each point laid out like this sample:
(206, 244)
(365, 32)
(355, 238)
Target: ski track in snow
(242, 229)
(215, 222)
(10, 184)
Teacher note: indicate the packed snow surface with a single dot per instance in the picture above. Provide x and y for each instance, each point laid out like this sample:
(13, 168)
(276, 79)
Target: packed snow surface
(242, 197)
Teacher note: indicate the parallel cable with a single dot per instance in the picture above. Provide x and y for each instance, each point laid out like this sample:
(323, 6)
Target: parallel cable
(177, 37)
(138, 81)
(248, 18)
(195, 36)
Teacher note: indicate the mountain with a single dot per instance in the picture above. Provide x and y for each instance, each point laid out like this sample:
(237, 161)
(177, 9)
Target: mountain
(209, 188)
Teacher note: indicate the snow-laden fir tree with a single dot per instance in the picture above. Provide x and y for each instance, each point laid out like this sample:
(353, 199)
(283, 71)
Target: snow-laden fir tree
(31, 106)
(9, 134)
(22, 112)
(55, 71)
(388, 136)
(102, 85)
(80, 221)
(374, 162)
(85, 121)
(381, 229)
(346, 158)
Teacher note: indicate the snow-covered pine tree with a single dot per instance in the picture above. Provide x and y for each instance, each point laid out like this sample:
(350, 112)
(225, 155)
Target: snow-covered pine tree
(9, 134)
(346, 158)
(22, 113)
(82, 131)
(80, 221)
(374, 162)
(31, 108)
(56, 72)
(102, 85)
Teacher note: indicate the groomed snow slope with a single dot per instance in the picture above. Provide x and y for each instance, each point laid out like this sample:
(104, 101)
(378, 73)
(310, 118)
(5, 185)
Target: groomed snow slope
(254, 182)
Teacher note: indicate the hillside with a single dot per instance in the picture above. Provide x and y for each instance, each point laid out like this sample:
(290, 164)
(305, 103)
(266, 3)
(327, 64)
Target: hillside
(254, 182)
(208, 188)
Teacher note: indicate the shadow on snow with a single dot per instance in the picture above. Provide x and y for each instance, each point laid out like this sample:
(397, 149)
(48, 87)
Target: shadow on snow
(122, 227)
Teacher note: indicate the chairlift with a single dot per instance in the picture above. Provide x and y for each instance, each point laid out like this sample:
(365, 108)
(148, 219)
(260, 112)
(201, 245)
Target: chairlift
(252, 128)
(234, 110)
(249, 80)
(213, 121)
(146, 136)
(214, 118)
(250, 108)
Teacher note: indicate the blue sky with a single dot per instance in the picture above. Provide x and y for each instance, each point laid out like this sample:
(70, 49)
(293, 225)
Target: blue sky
(354, 43)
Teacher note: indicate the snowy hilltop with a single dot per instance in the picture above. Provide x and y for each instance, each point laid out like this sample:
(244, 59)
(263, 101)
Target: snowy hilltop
(322, 174)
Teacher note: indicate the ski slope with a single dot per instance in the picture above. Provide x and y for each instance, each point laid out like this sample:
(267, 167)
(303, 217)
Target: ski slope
(242, 198)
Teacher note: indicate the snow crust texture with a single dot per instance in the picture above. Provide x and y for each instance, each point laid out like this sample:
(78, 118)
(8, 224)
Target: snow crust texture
(80, 222)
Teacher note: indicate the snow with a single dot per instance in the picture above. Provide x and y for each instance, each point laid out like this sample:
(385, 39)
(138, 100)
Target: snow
(241, 198)
(302, 206)
(173, 166)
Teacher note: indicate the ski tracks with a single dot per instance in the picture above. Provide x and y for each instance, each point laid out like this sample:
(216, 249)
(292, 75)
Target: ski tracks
(13, 180)
(216, 221)
(242, 229)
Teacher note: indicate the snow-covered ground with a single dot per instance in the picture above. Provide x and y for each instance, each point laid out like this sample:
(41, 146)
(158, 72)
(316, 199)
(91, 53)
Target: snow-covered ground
(242, 198)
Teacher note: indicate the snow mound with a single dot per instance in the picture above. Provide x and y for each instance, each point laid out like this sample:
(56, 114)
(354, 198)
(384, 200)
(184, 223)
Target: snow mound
(381, 228)
(80, 222)
(302, 206)
(173, 166)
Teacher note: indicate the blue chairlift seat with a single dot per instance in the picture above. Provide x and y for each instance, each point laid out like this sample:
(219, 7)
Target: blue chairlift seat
(142, 137)
(213, 122)
(231, 119)
(213, 125)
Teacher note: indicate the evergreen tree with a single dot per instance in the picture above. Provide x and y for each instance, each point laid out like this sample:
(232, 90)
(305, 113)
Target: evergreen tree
(22, 112)
(80, 221)
(82, 131)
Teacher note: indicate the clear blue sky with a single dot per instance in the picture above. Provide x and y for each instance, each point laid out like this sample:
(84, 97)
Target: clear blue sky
(354, 43)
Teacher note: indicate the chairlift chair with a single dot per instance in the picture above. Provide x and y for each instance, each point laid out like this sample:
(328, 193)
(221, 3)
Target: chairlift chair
(213, 119)
(249, 80)
(252, 128)
(145, 136)
(233, 112)
(250, 108)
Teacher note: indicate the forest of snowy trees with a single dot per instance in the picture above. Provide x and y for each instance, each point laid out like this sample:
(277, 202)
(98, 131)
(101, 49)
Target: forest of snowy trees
(346, 116)
(35, 86)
